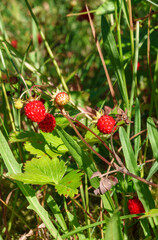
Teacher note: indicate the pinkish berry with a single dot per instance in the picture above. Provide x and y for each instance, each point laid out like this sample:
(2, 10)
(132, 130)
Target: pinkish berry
(62, 99)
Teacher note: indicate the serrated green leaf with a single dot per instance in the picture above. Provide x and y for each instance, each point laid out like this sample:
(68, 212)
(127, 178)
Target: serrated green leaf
(41, 144)
(42, 171)
(69, 184)
(31, 178)
(39, 151)
(54, 142)
(22, 136)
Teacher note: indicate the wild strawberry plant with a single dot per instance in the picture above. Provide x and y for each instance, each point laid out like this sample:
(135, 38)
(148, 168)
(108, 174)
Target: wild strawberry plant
(79, 120)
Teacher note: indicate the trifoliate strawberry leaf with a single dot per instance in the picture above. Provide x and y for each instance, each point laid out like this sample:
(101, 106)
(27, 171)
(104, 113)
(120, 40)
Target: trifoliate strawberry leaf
(42, 171)
(40, 150)
(41, 144)
(54, 142)
(69, 184)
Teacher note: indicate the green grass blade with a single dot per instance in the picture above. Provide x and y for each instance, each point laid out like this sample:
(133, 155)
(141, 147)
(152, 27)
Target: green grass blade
(81, 229)
(111, 49)
(48, 48)
(142, 189)
(130, 158)
(152, 171)
(137, 127)
(14, 167)
(153, 138)
(113, 230)
(57, 213)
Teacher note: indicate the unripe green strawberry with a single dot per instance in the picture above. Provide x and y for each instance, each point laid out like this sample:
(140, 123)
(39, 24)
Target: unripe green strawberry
(61, 99)
(35, 111)
(48, 123)
(106, 124)
(18, 103)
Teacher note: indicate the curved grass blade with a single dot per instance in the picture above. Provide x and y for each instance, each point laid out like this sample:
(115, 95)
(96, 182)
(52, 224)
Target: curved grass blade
(153, 138)
(56, 211)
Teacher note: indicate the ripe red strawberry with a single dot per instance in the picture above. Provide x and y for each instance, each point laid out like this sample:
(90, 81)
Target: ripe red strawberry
(135, 206)
(14, 43)
(106, 124)
(48, 123)
(62, 98)
(39, 37)
(35, 111)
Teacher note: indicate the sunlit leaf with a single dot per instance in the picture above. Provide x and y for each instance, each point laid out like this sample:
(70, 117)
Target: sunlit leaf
(113, 230)
(42, 171)
(69, 184)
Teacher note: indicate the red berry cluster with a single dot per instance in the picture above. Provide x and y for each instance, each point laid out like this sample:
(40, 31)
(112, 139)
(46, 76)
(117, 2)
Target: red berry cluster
(35, 111)
(135, 206)
(106, 124)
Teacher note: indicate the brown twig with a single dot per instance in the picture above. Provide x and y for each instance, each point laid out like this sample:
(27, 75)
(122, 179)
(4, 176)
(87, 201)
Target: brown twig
(101, 57)
(117, 167)
(148, 15)
(80, 136)
(88, 129)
